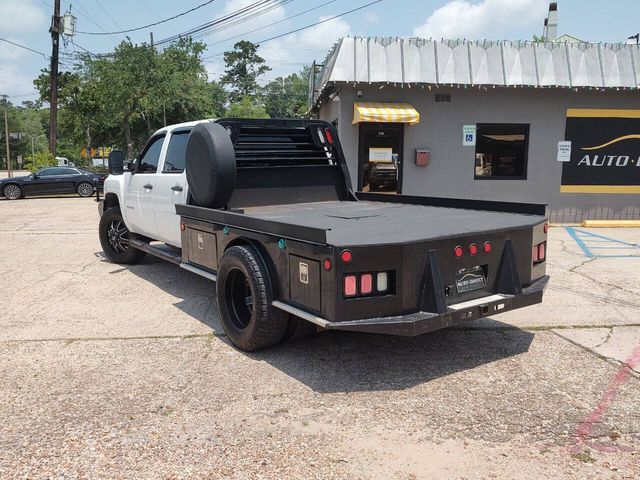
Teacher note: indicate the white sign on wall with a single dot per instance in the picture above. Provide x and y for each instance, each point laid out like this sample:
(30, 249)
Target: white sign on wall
(468, 135)
(381, 155)
(564, 151)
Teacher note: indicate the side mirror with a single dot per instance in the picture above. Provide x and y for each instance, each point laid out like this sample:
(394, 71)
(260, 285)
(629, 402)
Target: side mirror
(34, 175)
(116, 162)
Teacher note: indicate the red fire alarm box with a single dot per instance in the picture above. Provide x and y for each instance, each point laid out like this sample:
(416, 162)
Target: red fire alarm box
(422, 157)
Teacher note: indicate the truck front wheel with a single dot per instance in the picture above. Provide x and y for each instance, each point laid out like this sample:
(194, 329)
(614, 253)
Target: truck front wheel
(244, 292)
(114, 238)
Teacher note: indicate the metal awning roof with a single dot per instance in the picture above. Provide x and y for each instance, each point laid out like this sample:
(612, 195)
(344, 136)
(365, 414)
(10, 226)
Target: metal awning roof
(476, 63)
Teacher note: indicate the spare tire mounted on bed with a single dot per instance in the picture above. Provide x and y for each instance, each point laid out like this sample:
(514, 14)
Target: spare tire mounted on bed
(210, 165)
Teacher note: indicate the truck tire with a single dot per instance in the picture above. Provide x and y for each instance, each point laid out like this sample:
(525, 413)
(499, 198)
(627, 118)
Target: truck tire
(114, 238)
(210, 165)
(244, 292)
(298, 329)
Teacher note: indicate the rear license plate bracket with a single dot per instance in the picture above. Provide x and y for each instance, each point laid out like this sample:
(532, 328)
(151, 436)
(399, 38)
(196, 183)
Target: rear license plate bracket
(470, 279)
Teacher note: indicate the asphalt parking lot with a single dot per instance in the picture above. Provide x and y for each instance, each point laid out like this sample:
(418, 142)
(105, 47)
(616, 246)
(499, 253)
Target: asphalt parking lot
(123, 372)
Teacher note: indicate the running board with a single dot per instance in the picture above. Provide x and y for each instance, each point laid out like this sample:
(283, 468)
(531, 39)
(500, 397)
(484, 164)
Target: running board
(161, 251)
(171, 255)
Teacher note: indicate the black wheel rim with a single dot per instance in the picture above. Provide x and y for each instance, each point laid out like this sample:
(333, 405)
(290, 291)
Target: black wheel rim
(118, 236)
(238, 298)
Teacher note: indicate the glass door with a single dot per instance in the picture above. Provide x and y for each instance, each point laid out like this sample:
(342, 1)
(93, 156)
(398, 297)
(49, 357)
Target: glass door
(380, 157)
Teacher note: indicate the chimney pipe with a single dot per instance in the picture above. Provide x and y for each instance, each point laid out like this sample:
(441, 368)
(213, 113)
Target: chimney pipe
(552, 24)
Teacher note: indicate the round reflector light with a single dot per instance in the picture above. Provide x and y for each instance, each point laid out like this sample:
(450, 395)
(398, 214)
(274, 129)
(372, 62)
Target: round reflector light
(487, 247)
(458, 251)
(546, 228)
(327, 264)
(346, 256)
(473, 249)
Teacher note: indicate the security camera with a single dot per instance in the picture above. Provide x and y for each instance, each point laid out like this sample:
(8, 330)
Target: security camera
(359, 93)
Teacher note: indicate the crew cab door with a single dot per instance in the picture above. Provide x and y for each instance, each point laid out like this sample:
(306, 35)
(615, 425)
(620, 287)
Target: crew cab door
(139, 189)
(171, 188)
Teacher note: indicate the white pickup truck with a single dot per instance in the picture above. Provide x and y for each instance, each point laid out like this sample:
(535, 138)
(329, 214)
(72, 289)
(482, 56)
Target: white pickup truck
(266, 208)
(144, 202)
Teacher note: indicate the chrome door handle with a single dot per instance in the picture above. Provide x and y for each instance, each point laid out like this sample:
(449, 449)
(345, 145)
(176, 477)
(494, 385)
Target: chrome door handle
(177, 188)
(148, 186)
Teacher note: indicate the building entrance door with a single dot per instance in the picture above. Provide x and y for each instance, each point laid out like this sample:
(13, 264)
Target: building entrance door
(380, 157)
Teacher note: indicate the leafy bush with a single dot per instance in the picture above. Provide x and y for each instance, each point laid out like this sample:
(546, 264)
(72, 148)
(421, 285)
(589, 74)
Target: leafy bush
(97, 169)
(40, 160)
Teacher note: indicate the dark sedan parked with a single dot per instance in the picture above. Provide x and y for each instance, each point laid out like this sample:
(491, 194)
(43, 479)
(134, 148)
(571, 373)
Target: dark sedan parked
(50, 181)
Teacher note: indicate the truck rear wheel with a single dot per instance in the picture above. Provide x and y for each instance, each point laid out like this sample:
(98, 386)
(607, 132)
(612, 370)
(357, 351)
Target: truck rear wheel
(114, 238)
(245, 292)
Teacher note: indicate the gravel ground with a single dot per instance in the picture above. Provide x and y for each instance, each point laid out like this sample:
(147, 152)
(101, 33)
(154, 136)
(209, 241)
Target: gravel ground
(112, 372)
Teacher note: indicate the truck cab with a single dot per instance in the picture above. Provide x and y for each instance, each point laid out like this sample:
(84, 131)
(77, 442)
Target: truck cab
(148, 191)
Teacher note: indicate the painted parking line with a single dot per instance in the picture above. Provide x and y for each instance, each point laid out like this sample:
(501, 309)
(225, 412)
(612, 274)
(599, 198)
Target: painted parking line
(594, 245)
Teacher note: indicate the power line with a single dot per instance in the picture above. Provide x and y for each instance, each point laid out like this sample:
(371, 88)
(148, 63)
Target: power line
(107, 14)
(303, 28)
(271, 24)
(150, 24)
(25, 48)
(320, 22)
(243, 14)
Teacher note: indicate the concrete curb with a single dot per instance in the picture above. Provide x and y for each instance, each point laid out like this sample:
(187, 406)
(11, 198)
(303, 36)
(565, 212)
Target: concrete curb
(611, 223)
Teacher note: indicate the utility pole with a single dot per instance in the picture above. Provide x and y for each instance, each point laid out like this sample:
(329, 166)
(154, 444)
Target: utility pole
(636, 37)
(53, 101)
(151, 39)
(6, 136)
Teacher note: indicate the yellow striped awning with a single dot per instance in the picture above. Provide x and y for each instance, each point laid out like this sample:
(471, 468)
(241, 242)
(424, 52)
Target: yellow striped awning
(385, 113)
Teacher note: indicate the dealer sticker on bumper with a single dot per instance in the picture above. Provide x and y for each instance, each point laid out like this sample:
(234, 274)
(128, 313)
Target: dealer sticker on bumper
(470, 279)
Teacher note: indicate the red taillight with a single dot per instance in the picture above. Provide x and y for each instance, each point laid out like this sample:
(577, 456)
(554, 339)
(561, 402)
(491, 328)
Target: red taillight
(327, 264)
(473, 249)
(327, 133)
(346, 256)
(350, 289)
(487, 247)
(546, 228)
(539, 253)
(366, 284)
(458, 251)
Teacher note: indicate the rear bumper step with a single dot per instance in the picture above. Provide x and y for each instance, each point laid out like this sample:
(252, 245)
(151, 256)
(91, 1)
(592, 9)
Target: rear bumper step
(423, 322)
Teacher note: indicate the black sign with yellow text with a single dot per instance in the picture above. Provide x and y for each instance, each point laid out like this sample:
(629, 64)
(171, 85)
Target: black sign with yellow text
(605, 152)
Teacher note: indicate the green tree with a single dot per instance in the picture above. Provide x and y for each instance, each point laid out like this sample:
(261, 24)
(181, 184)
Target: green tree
(40, 160)
(287, 97)
(246, 108)
(122, 98)
(243, 68)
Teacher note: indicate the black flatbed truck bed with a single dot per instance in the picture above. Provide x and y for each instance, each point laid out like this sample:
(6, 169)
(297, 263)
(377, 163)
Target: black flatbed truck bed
(366, 262)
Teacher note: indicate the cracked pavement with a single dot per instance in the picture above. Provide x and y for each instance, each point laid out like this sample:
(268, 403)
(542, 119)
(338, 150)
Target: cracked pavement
(113, 372)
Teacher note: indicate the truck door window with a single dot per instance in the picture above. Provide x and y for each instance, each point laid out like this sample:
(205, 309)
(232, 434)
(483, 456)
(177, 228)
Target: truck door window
(175, 159)
(148, 160)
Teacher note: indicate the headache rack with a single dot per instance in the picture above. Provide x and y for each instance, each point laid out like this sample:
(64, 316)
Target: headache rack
(286, 162)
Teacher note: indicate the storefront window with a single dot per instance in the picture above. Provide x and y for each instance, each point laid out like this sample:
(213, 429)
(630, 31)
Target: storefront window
(501, 151)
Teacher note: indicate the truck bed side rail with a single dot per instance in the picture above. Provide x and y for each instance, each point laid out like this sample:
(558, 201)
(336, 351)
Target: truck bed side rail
(467, 204)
